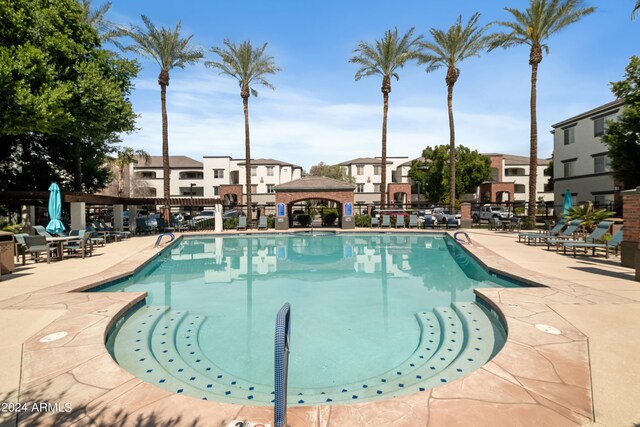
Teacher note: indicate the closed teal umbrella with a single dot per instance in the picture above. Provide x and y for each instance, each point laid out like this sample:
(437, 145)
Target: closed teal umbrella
(55, 208)
(568, 202)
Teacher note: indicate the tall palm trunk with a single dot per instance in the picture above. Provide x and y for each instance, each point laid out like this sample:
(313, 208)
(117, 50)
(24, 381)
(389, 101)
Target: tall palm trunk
(163, 81)
(386, 89)
(247, 150)
(535, 58)
(452, 150)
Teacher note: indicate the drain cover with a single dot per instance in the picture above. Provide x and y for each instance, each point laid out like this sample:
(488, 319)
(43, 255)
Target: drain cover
(54, 336)
(548, 329)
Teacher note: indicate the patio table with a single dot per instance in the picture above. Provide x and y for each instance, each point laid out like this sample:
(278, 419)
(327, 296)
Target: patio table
(60, 240)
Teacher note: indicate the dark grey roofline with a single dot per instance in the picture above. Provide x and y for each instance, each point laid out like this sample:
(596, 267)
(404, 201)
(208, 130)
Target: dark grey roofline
(608, 106)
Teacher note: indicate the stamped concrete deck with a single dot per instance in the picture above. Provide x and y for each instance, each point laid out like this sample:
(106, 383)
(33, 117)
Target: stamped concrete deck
(569, 359)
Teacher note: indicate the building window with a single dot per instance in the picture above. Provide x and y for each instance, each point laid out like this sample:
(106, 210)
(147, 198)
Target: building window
(569, 168)
(270, 188)
(216, 191)
(254, 171)
(495, 174)
(601, 164)
(600, 125)
(218, 173)
(570, 135)
(359, 170)
(254, 188)
(376, 170)
(514, 172)
(147, 175)
(359, 188)
(191, 175)
(376, 188)
(269, 170)
(519, 188)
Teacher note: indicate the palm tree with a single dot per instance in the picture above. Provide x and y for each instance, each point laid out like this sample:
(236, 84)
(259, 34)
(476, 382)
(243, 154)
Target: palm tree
(96, 19)
(533, 27)
(384, 59)
(169, 50)
(123, 158)
(250, 66)
(447, 50)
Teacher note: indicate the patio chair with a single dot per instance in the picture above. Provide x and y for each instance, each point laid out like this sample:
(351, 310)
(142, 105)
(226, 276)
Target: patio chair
(35, 245)
(262, 223)
(97, 238)
(120, 234)
(40, 230)
(101, 229)
(242, 223)
(529, 236)
(613, 243)
(399, 221)
(386, 221)
(452, 221)
(21, 246)
(567, 234)
(163, 227)
(513, 224)
(495, 223)
(142, 227)
(429, 221)
(413, 221)
(374, 221)
(80, 247)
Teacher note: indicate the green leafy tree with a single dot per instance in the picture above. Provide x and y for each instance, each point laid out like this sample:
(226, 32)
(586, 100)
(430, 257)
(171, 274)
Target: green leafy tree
(548, 171)
(250, 66)
(331, 171)
(432, 173)
(169, 50)
(447, 50)
(533, 27)
(384, 59)
(64, 101)
(590, 217)
(623, 136)
(124, 157)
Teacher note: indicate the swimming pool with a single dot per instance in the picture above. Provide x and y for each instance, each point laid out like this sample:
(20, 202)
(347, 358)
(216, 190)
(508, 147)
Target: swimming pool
(373, 316)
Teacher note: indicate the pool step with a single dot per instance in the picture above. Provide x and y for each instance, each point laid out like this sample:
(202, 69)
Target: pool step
(454, 341)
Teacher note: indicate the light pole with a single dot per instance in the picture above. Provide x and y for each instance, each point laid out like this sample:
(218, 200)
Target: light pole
(191, 206)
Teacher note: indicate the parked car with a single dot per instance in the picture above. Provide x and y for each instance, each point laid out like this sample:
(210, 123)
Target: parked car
(486, 212)
(442, 215)
(204, 215)
(233, 213)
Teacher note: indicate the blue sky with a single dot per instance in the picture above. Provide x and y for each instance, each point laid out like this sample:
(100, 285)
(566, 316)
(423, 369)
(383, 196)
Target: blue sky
(318, 112)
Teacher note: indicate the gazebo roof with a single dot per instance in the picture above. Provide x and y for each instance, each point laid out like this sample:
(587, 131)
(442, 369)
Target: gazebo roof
(315, 183)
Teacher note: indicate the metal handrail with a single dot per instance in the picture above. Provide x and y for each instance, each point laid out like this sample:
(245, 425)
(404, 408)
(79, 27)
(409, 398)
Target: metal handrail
(161, 236)
(464, 233)
(282, 341)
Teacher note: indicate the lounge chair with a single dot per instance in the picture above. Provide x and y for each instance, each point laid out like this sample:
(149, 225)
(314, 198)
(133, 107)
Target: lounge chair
(400, 221)
(79, 247)
(120, 234)
(386, 221)
(429, 221)
(262, 223)
(374, 221)
(529, 236)
(41, 231)
(495, 223)
(567, 234)
(97, 238)
(35, 245)
(242, 223)
(413, 221)
(613, 243)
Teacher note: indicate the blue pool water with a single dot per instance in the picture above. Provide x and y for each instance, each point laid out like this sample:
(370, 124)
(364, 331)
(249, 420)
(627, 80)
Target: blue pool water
(373, 316)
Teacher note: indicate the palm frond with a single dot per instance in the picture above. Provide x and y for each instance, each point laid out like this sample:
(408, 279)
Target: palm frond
(387, 55)
(636, 10)
(245, 63)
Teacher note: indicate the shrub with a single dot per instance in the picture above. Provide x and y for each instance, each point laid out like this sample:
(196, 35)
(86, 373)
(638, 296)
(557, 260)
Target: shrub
(329, 218)
(527, 224)
(304, 220)
(271, 221)
(230, 223)
(363, 221)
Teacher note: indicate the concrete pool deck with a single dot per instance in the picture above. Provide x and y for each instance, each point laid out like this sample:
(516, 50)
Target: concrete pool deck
(585, 375)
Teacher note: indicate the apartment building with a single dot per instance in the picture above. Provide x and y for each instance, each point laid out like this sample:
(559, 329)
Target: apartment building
(367, 172)
(190, 177)
(580, 159)
(507, 168)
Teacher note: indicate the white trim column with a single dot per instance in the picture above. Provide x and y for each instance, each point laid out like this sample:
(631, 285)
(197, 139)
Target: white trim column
(78, 216)
(118, 223)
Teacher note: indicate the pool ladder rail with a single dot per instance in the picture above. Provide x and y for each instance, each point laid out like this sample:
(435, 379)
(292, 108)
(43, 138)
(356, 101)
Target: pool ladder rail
(465, 241)
(282, 341)
(159, 240)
